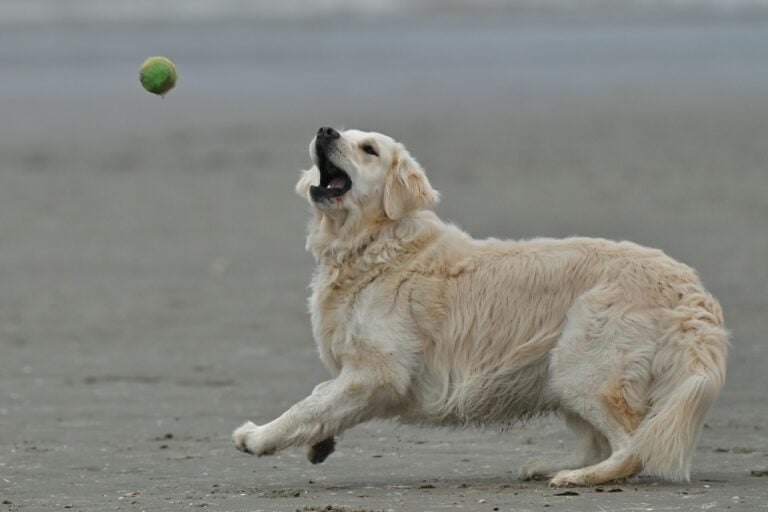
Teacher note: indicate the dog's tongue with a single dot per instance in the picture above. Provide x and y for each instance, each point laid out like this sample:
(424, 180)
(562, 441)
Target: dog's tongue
(336, 183)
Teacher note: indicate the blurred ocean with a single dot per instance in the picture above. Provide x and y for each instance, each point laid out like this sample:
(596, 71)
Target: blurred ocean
(68, 68)
(15, 12)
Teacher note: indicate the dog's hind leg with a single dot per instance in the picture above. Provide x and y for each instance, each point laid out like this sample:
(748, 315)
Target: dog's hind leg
(622, 464)
(613, 427)
(614, 419)
(601, 372)
(593, 448)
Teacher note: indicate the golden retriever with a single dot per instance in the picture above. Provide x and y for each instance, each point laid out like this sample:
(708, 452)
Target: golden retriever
(418, 321)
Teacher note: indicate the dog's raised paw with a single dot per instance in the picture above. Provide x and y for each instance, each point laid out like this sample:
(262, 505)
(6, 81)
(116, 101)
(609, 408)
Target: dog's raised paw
(241, 434)
(318, 452)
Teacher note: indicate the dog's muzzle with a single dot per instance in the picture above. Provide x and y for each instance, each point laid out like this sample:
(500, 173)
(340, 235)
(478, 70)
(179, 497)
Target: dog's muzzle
(334, 181)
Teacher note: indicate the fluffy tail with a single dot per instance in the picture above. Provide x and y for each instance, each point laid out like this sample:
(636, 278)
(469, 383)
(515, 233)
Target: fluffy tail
(689, 373)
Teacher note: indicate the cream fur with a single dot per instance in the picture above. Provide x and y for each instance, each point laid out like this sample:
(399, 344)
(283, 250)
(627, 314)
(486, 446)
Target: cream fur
(417, 321)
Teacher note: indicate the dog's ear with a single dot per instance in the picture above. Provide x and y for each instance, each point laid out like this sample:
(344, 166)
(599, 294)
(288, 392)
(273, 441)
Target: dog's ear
(406, 187)
(305, 181)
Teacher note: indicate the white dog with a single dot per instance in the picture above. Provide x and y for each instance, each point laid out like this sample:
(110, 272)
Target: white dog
(420, 322)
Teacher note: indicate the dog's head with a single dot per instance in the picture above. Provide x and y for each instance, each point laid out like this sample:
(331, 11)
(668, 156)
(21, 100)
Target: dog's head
(367, 173)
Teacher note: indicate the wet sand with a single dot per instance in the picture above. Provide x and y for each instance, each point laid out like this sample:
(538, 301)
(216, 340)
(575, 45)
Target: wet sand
(152, 251)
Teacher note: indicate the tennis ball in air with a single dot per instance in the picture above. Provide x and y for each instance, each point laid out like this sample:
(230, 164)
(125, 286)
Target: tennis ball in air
(158, 75)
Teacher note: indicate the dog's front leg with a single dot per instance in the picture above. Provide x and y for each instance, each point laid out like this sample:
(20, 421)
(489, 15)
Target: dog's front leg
(353, 397)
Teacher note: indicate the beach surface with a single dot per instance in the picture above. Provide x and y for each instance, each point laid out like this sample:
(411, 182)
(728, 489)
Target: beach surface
(153, 277)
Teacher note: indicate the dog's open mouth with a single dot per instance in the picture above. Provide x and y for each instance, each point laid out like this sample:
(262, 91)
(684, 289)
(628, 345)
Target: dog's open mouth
(334, 182)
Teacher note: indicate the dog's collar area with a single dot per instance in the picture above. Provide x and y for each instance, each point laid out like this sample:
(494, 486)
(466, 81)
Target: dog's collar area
(334, 182)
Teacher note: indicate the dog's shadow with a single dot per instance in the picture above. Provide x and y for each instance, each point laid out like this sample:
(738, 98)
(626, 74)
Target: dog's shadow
(488, 484)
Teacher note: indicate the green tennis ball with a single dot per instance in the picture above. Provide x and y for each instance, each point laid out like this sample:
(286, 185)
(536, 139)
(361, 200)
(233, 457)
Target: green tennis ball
(158, 75)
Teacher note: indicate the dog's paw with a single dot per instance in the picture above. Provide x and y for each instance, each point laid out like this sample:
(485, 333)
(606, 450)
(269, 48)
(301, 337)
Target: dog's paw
(567, 478)
(535, 470)
(249, 438)
(318, 452)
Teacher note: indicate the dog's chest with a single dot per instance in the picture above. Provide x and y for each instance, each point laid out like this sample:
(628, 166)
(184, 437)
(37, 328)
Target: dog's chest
(339, 307)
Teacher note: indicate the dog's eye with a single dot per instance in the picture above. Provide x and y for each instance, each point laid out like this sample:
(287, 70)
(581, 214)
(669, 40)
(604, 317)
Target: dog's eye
(369, 149)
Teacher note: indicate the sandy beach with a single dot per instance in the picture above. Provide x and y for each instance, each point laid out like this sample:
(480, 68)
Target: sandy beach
(152, 264)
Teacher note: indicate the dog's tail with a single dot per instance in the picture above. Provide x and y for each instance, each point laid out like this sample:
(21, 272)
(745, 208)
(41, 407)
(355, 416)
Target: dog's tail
(689, 373)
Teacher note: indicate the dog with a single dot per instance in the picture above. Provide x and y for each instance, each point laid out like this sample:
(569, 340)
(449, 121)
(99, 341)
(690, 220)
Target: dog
(419, 322)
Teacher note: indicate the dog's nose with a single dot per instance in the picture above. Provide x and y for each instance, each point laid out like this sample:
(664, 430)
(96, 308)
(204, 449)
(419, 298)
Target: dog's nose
(326, 133)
